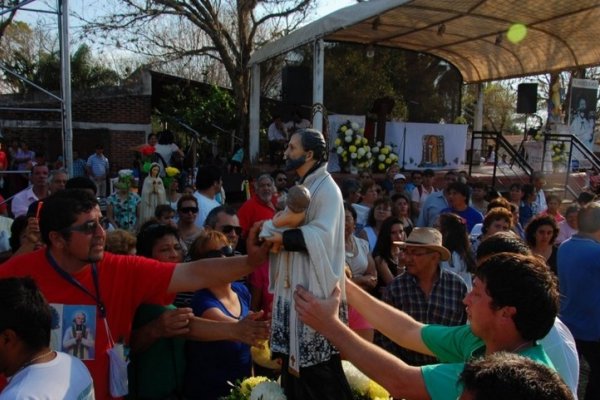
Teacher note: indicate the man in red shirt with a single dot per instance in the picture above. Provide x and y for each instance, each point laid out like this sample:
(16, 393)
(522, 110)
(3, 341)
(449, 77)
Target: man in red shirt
(75, 275)
(260, 206)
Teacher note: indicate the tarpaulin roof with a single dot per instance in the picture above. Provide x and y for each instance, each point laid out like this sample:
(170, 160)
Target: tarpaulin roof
(469, 34)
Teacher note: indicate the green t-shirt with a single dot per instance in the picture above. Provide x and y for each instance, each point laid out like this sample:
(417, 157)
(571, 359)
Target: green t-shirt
(158, 371)
(454, 346)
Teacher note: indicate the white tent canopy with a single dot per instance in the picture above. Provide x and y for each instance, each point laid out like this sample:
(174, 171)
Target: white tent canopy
(469, 34)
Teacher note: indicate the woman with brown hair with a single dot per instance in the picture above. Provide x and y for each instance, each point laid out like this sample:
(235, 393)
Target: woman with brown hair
(540, 235)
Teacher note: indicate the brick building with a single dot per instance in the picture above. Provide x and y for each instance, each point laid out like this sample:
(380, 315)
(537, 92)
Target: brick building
(116, 117)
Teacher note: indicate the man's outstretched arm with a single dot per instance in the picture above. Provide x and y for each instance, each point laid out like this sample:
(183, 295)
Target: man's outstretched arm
(400, 379)
(397, 325)
(204, 273)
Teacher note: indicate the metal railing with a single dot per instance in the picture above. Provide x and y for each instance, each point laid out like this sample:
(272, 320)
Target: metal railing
(516, 168)
(572, 146)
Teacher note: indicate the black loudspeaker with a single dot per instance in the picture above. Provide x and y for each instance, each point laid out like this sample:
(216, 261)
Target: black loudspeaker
(296, 84)
(527, 98)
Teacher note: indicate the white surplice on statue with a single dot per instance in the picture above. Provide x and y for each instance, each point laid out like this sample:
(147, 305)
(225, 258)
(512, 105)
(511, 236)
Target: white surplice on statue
(435, 146)
(335, 121)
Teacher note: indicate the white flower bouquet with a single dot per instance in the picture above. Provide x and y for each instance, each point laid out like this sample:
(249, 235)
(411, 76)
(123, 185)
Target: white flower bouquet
(384, 156)
(352, 147)
(256, 388)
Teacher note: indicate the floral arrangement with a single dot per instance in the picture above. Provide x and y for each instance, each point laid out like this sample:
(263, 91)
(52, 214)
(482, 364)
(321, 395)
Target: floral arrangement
(384, 156)
(125, 179)
(147, 150)
(559, 155)
(354, 150)
(256, 388)
(352, 147)
(262, 388)
(362, 387)
(170, 174)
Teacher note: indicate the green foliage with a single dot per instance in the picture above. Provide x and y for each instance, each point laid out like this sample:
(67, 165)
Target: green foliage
(22, 53)
(201, 107)
(424, 88)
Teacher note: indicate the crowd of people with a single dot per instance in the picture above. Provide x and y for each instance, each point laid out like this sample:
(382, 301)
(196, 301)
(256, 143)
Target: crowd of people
(437, 271)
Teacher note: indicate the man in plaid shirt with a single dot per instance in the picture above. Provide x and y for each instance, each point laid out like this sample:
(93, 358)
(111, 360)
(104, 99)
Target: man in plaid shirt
(425, 291)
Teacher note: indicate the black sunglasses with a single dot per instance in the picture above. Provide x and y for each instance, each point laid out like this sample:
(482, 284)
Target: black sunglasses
(228, 228)
(87, 228)
(185, 210)
(226, 251)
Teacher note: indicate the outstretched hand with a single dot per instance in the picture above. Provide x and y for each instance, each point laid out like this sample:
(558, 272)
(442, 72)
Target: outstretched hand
(257, 250)
(173, 322)
(317, 313)
(253, 329)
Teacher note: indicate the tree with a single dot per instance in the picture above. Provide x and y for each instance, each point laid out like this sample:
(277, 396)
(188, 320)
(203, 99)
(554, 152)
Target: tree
(424, 88)
(33, 54)
(43, 70)
(7, 19)
(225, 31)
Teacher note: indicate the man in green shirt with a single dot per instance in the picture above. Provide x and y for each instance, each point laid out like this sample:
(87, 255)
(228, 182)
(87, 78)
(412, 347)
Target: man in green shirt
(513, 304)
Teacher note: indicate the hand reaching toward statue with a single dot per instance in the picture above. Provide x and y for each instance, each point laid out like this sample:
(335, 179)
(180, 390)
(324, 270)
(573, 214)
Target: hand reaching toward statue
(257, 250)
(173, 322)
(317, 313)
(252, 329)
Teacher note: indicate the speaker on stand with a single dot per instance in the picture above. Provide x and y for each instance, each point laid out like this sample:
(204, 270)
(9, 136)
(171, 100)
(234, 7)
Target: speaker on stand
(526, 104)
(527, 98)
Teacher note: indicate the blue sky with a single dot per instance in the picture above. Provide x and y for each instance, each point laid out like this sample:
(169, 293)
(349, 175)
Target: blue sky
(89, 8)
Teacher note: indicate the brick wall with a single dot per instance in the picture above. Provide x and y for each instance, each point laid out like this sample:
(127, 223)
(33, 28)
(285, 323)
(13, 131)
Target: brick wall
(96, 112)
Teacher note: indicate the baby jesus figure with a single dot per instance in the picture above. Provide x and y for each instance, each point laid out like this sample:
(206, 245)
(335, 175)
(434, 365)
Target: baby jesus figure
(296, 203)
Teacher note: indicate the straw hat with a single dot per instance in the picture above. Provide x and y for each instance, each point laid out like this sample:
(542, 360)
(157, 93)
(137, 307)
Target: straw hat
(428, 238)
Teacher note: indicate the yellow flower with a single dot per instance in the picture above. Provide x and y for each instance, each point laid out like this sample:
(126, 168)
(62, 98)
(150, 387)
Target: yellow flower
(385, 150)
(171, 171)
(343, 128)
(377, 392)
(381, 166)
(352, 149)
(338, 141)
(249, 383)
(365, 140)
(388, 161)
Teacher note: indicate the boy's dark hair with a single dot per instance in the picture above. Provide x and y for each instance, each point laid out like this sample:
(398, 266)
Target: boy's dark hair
(24, 310)
(525, 283)
(504, 375)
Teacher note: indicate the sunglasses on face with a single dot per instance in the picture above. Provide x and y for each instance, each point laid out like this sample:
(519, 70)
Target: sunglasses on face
(87, 228)
(186, 210)
(226, 251)
(228, 228)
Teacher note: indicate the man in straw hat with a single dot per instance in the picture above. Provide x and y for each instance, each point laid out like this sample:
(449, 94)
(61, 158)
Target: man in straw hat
(513, 304)
(425, 291)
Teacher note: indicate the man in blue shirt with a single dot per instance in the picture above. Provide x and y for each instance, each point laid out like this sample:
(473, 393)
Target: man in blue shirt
(579, 277)
(458, 202)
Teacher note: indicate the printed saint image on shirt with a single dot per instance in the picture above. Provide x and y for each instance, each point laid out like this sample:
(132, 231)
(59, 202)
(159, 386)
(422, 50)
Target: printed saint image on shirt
(77, 329)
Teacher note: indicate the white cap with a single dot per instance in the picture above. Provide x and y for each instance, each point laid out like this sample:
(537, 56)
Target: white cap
(399, 176)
